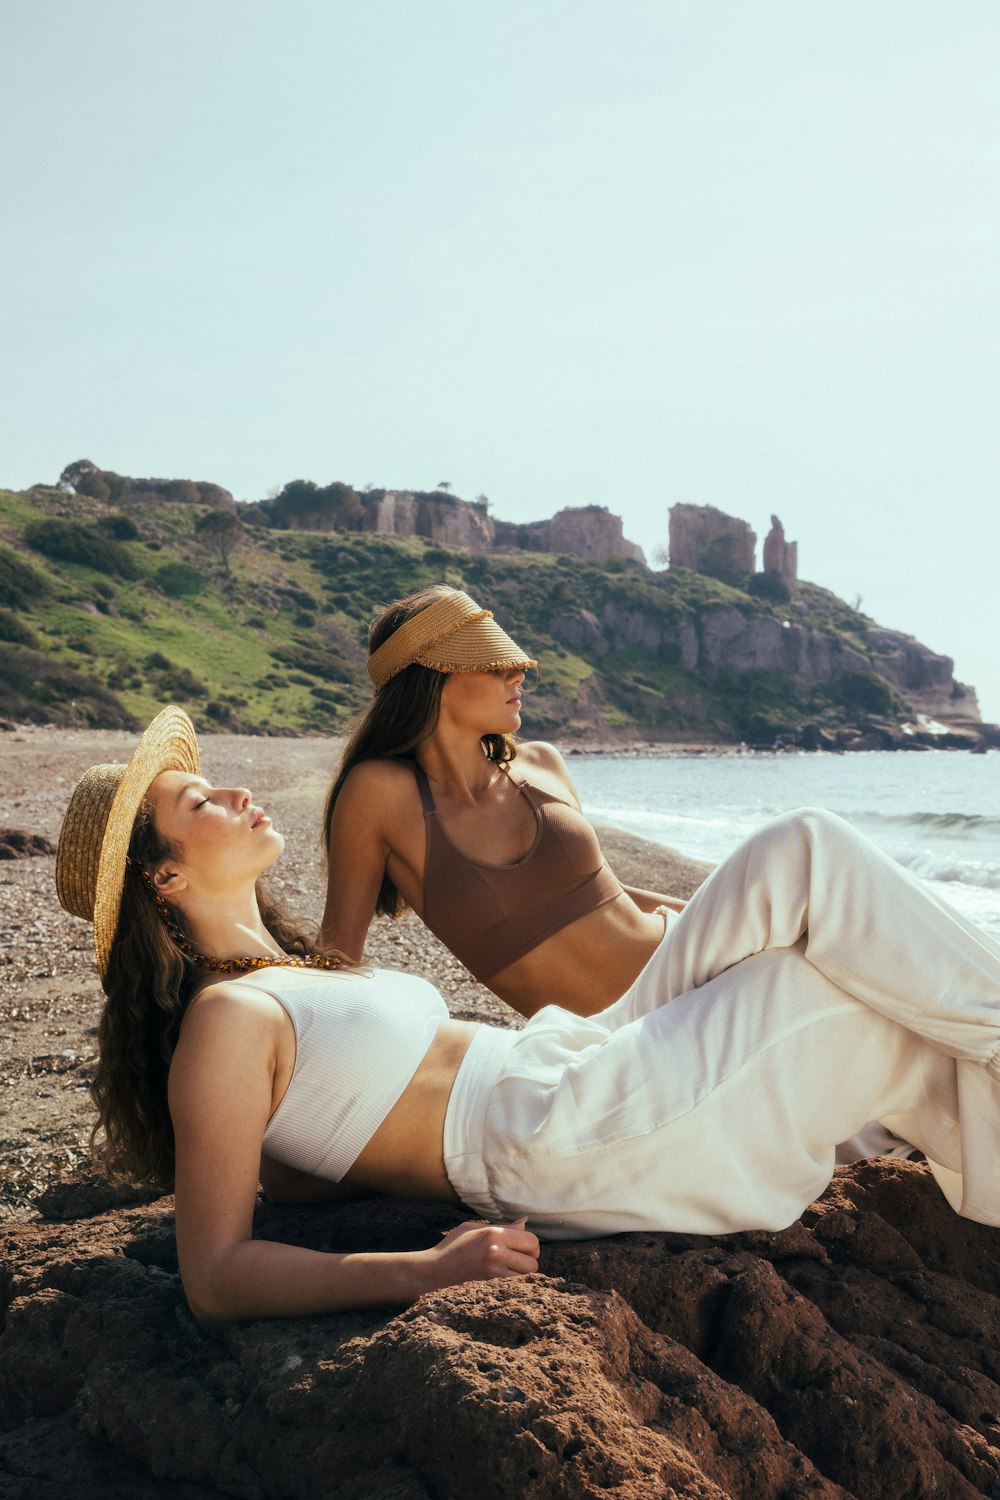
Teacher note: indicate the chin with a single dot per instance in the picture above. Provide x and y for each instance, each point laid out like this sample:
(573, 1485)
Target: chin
(275, 845)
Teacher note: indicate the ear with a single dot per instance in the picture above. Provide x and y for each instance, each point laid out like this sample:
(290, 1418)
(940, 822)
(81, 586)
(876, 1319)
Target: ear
(169, 882)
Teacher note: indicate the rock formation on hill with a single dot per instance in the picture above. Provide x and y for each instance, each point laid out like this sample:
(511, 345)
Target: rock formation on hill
(438, 518)
(589, 531)
(706, 540)
(855, 1354)
(781, 557)
(578, 530)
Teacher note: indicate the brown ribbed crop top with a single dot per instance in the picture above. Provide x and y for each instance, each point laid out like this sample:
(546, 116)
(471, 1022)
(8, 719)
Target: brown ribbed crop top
(491, 915)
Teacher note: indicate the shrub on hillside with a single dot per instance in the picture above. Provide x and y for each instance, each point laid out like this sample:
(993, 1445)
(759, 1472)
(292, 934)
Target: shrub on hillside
(120, 528)
(15, 630)
(179, 580)
(173, 680)
(770, 586)
(326, 664)
(43, 691)
(78, 542)
(864, 692)
(20, 583)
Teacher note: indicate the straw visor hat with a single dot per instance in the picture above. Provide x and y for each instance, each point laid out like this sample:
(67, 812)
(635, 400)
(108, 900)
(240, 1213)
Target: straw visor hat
(451, 635)
(97, 828)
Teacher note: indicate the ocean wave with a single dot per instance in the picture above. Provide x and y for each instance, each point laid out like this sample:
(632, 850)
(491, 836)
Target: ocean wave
(981, 874)
(951, 822)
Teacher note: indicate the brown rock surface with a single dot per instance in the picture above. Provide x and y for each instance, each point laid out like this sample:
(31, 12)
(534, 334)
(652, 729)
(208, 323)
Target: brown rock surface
(854, 1354)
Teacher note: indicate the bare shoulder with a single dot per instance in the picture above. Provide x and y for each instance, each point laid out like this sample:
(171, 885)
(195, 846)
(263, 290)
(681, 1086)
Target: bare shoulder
(543, 763)
(228, 1006)
(372, 782)
(540, 754)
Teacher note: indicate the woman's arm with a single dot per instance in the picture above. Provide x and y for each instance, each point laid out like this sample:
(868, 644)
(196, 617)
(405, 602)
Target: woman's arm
(221, 1083)
(357, 853)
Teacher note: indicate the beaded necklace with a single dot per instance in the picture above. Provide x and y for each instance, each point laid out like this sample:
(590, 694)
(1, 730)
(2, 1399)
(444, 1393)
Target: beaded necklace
(230, 965)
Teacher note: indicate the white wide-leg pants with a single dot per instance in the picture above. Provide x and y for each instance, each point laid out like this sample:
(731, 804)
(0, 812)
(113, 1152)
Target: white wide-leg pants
(810, 986)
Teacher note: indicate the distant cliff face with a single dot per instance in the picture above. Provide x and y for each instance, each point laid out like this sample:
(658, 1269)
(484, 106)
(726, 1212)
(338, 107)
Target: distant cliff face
(442, 519)
(926, 679)
(589, 531)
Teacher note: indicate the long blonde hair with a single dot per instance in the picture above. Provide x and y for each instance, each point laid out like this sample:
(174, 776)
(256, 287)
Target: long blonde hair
(402, 714)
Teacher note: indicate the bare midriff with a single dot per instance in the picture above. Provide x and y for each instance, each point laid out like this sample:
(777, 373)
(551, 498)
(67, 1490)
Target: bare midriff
(405, 1155)
(586, 966)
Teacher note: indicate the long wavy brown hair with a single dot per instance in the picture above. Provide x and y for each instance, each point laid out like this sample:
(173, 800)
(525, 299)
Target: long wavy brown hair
(401, 714)
(149, 984)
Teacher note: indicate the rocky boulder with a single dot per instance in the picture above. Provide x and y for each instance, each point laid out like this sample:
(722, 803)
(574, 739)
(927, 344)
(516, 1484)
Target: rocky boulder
(15, 843)
(856, 1353)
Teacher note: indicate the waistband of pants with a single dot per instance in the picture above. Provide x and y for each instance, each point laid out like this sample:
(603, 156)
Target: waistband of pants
(465, 1118)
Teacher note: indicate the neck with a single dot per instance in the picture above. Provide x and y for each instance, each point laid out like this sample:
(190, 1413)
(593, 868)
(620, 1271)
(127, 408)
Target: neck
(456, 763)
(230, 927)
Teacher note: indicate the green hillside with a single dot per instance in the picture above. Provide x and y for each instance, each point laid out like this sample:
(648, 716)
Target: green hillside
(106, 614)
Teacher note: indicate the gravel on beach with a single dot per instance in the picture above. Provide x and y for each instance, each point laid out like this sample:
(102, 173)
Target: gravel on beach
(50, 997)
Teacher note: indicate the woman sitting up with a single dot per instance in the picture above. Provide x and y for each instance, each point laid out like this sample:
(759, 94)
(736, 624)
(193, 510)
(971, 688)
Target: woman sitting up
(230, 1054)
(435, 807)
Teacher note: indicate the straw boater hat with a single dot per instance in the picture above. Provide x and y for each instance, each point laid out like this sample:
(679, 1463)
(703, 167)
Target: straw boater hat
(97, 828)
(451, 635)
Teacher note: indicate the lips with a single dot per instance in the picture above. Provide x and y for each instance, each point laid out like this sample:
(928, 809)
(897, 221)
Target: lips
(259, 817)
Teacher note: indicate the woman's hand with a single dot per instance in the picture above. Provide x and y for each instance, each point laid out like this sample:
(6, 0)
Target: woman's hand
(477, 1252)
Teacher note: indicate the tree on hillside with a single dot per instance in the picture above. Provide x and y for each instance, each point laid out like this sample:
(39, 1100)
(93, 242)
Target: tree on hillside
(312, 507)
(222, 531)
(85, 478)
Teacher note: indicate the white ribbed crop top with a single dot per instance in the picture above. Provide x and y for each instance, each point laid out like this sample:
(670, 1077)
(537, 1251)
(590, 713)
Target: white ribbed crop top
(360, 1035)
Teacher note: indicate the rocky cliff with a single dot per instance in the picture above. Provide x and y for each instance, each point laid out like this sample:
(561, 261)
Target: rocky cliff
(706, 540)
(442, 519)
(588, 531)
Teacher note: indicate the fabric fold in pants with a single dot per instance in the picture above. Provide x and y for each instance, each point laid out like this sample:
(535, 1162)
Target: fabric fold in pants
(718, 1112)
(872, 928)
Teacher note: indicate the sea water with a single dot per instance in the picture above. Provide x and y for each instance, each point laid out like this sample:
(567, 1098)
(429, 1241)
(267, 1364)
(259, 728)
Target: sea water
(937, 813)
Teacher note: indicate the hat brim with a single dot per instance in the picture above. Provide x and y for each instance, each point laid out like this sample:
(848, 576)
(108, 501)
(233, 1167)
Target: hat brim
(476, 646)
(169, 744)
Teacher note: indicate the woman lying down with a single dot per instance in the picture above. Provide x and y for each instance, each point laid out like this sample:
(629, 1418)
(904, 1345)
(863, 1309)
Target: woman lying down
(709, 1098)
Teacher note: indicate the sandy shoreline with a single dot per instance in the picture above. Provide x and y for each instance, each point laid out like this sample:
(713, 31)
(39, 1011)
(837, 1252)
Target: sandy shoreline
(49, 994)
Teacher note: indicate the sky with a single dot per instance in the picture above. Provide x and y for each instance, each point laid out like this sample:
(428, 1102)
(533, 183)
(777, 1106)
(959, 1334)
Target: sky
(630, 253)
